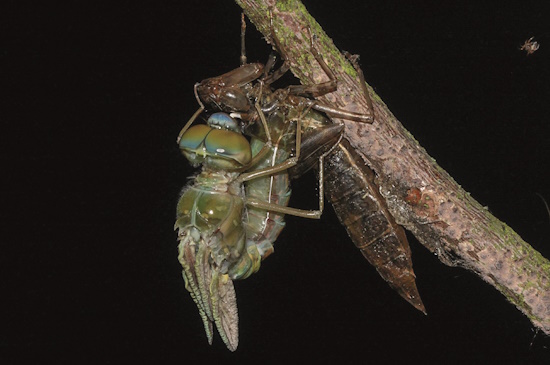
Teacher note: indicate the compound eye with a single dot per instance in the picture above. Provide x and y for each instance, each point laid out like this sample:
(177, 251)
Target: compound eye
(193, 138)
(223, 121)
(229, 144)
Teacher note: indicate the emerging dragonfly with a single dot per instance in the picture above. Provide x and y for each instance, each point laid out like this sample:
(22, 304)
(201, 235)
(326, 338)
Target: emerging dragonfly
(225, 230)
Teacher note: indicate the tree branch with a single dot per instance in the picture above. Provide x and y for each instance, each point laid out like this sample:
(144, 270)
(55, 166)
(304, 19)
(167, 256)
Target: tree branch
(420, 194)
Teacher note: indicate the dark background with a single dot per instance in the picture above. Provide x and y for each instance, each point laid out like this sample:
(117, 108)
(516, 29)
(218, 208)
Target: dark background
(96, 95)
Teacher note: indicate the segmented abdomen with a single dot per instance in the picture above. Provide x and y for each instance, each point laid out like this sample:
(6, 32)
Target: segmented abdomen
(350, 187)
(211, 251)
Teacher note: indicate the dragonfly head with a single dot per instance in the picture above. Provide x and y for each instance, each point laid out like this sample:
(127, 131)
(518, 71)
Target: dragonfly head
(218, 145)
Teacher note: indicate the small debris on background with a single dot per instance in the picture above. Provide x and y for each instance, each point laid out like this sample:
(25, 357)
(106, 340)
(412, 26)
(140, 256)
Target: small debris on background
(530, 46)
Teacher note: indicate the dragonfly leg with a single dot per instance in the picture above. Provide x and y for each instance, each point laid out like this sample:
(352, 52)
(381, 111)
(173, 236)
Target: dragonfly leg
(353, 59)
(267, 78)
(243, 59)
(337, 112)
(268, 144)
(323, 88)
(341, 113)
(303, 213)
(285, 165)
(277, 74)
(302, 90)
(193, 117)
(267, 171)
(188, 124)
(317, 89)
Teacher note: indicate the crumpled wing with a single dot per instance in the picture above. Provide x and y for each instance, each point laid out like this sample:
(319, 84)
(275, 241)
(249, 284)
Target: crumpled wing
(211, 290)
(187, 260)
(224, 305)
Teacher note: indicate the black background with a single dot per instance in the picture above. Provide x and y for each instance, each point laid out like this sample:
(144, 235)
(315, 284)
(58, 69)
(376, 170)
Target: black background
(96, 95)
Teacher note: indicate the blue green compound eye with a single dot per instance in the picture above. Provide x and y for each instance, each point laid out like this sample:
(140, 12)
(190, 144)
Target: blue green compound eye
(194, 137)
(219, 148)
(229, 145)
(223, 121)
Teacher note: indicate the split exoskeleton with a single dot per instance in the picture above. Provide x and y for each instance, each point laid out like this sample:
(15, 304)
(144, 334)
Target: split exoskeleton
(231, 215)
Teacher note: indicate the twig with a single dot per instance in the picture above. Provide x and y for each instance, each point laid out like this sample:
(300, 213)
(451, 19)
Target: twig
(444, 218)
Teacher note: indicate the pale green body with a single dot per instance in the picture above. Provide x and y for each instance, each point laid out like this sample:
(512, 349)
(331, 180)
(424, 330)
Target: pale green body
(220, 238)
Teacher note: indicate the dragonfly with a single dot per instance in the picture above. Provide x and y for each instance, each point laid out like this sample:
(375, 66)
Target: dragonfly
(228, 220)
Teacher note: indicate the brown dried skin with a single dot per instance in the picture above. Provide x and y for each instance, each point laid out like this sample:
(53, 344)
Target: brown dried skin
(360, 208)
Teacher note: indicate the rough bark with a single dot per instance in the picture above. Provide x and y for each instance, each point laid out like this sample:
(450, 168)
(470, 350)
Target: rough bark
(420, 194)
